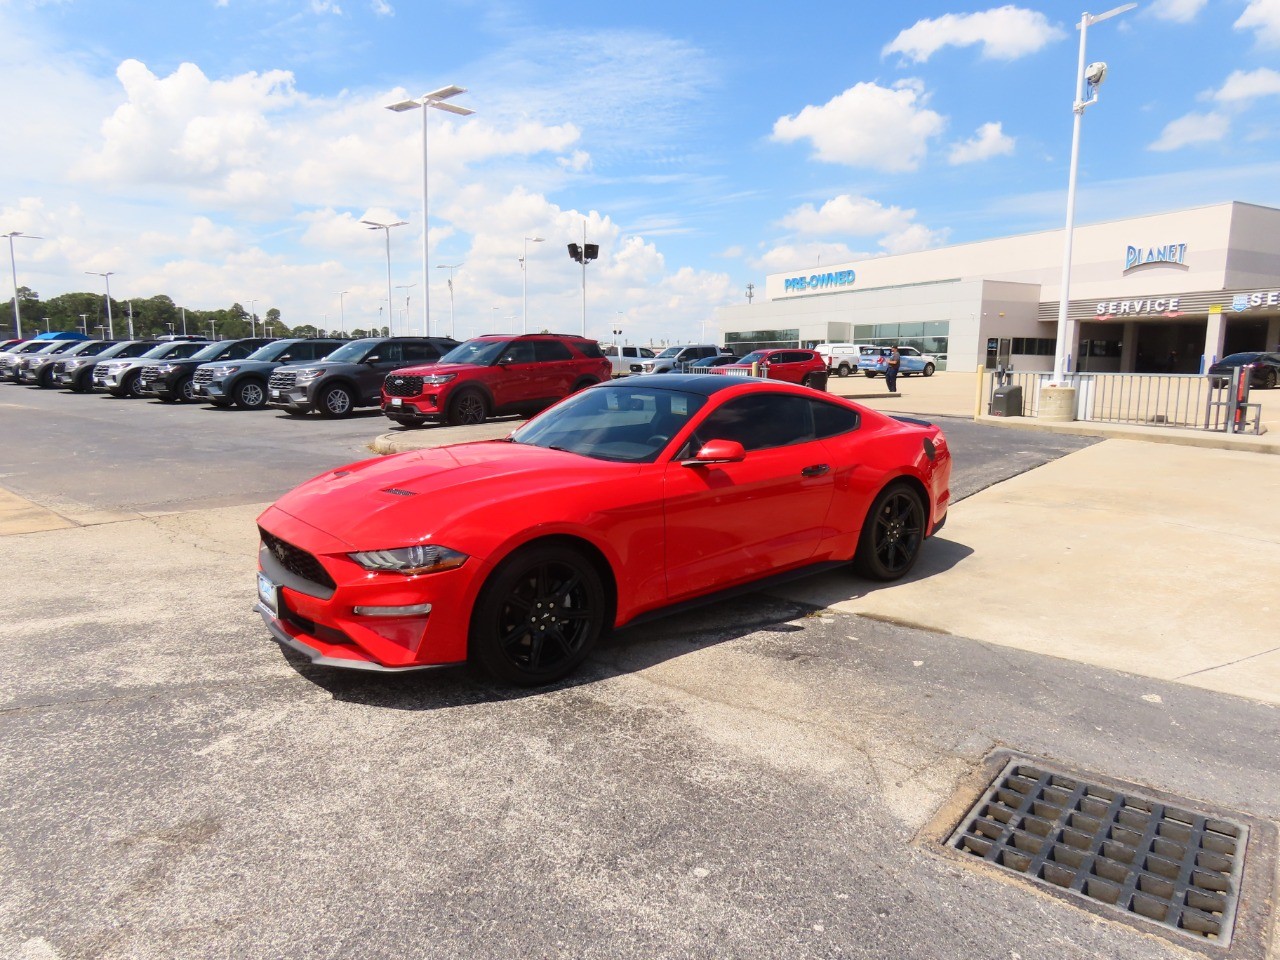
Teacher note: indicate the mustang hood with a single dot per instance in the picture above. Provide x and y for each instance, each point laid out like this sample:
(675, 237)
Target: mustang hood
(412, 497)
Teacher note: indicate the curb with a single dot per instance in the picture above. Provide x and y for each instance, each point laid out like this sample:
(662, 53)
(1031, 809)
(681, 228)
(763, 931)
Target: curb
(1120, 431)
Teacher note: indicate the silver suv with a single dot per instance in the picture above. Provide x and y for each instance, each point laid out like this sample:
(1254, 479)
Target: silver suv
(674, 358)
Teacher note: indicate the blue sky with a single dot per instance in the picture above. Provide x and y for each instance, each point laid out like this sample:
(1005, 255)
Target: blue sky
(226, 150)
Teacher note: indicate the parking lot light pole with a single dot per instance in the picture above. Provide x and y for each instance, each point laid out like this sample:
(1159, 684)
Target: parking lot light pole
(1090, 76)
(584, 254)
(13, 266)
(111, 330)
(524, 283)
(453, 330)
(342, 313)
(435, 100)
(406, 287)
(386, 228)
(253, 328)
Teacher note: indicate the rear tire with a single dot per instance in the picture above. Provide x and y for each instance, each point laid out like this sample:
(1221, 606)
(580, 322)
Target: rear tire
(538, 616)
(868, 374)
(843, 370)
(892, 534)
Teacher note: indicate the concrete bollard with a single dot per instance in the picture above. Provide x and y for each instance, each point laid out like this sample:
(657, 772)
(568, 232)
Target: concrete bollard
(1057, 404)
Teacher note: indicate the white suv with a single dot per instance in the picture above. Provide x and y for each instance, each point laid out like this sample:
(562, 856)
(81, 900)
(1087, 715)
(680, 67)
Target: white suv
(673, 358)
(842, 358)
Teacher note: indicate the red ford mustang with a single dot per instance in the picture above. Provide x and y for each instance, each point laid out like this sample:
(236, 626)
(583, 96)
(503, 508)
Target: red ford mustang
(621, 500)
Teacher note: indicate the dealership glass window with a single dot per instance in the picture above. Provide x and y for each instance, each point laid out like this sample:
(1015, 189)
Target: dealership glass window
(1033, 346)
(742, 342)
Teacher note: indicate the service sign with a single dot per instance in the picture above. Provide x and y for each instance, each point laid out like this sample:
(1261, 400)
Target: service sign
(1162, 306)
(1135, 257)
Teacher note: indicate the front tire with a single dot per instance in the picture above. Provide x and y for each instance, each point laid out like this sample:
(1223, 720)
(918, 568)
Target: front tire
(336, 401)
(186, 391)
(538, 616)
(467, 408)
(1269, 380)
(928, 369)
(843, 370)
(132, 387)
(868, 374)
(892, 534)
(250, 394)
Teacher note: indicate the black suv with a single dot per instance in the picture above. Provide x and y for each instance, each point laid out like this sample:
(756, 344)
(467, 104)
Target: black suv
(244, 382)
(352, 375)
(171, 379)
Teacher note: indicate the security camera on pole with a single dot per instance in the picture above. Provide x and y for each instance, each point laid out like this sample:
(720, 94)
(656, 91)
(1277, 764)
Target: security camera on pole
(584, 254)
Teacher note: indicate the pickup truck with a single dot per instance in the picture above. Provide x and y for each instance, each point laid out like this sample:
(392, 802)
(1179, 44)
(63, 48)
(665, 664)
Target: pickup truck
(625, 360)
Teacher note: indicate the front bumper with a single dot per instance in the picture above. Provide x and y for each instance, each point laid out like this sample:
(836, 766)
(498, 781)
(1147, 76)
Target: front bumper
(322, 623)
(426, 409)
(297, 398)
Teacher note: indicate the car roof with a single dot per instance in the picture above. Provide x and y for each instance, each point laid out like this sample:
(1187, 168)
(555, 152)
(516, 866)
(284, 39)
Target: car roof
(703, 384)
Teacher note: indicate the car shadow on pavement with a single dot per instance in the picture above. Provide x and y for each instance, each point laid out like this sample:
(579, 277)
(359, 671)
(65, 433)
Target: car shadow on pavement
(629, 649)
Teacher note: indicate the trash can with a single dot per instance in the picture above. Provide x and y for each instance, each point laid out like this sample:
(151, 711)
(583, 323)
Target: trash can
(1006, 402)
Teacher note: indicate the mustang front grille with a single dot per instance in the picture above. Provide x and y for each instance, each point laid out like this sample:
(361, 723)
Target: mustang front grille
(297, 561)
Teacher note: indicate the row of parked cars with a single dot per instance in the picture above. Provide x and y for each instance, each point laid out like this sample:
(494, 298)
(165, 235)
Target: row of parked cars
(413, 380)
(871, 359)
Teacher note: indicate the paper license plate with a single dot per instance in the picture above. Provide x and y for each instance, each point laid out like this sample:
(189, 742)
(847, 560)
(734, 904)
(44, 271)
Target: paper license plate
(275, 394)
(269, 594)
(397, 402)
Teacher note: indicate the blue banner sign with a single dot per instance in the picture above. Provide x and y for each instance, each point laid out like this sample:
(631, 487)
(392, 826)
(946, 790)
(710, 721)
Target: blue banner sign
(818, 281)
(1135, 257)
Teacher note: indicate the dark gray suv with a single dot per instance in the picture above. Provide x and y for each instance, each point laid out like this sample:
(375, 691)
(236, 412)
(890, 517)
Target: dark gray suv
(351, 376)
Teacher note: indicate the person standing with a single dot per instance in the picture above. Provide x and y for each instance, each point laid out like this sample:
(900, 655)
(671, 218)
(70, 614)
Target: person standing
(891, 369)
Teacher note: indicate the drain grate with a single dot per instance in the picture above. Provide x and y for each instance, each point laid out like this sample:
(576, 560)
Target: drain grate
(1172, 865)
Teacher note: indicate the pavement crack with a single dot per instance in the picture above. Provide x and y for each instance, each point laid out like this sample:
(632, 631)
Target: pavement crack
(1231, 663)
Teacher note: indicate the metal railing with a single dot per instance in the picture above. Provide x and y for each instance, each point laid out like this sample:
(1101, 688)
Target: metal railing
(1186, 400)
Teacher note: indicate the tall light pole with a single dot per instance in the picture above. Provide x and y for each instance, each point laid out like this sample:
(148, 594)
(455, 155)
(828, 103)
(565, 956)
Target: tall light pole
(111, 330)
(406, 287)
(386, 228)
(342, 313)
(1091, 76)
(524, 283)
(13, 265)
(584, 254)
(436, 101)
(84, 324)
(253, 329)
(453, 329)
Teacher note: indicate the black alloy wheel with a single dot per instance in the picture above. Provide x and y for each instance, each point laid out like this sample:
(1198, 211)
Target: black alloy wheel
(539, 616)
(1269, 379)
(467, 408)
(336, 401)
(250, 394)
(889, 544)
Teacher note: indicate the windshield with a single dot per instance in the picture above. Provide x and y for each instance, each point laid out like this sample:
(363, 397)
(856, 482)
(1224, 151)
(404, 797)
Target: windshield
(271, 350)
(355, 351)
(480, 352)
(31, 347)
(209, 352)
(618, 423)
(759, 356)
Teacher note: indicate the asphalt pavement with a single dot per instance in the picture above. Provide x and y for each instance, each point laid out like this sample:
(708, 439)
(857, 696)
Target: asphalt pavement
(774, 776)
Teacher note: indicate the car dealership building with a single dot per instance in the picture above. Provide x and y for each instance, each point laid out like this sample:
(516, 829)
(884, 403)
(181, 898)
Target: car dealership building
(1162, 293)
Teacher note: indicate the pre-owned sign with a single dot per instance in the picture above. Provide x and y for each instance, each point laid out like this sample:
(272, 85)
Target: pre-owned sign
(818, 281)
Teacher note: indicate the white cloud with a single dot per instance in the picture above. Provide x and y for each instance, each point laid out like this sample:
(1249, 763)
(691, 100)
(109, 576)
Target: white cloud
(989, 141)
(914, 238)
(1244, 85)
(867, 125)
(1263, 17)
(382, 8)
(1192, 129)
(796, 256)
(845, 214)
(1005, 33)
(1178, 11)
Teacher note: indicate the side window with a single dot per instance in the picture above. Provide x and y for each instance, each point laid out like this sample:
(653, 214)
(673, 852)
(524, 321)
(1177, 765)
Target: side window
(758, 422)
(240, 351)
(545, 351)
(611, 351)
(314, 351)
(420, 352)
(388, 353)
(646, 353)
(830, 420)
(517, 351)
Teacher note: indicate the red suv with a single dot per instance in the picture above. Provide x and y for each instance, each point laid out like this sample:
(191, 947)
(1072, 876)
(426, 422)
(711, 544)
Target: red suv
(493, 375)
(805, 367)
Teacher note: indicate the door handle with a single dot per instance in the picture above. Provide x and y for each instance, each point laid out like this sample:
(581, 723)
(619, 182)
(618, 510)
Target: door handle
(817, 470)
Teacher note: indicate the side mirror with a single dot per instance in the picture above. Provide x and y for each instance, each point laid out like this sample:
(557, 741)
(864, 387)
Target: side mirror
(717, 451)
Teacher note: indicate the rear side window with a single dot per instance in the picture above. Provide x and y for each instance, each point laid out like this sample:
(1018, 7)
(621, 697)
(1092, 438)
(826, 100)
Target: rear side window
(417, 352)
(589, 348)
(830, 420)
(545, 351)
(240, 351)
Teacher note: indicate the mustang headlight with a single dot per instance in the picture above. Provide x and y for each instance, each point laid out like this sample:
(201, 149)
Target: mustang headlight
(306, 373)
(426, 558)
(436, 379)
